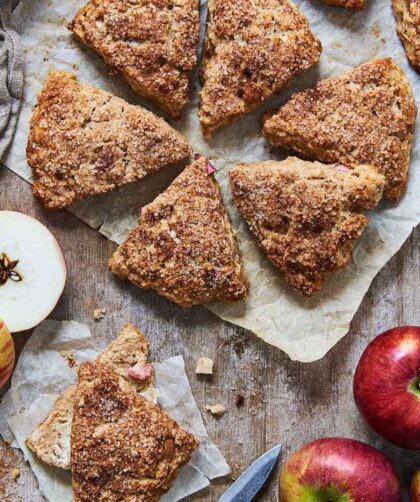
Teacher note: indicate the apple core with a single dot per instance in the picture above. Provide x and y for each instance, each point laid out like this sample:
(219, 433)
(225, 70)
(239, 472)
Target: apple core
(32, 271)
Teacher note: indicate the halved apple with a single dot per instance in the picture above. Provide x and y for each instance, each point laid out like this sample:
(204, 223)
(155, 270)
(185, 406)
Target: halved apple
(32, 271)
(7, 354)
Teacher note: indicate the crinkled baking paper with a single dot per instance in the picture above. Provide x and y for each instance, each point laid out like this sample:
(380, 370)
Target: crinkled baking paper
(42, 374)
(305, 328)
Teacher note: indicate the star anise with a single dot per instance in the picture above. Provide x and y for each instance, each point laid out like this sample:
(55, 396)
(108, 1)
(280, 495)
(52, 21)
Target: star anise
(7, 269)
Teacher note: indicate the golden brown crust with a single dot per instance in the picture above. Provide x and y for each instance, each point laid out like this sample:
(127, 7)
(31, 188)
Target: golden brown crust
(252, 49)
(348, 4)
(50, 441)
(122, 446)
(153, 43)
(365, 116)
(407, 14)
(306, 216)
(84, 141)
(184, 246)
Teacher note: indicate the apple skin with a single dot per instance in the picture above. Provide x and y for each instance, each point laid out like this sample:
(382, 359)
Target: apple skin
(7, 354)
(386, 386)
(339, 470)
(415, 488)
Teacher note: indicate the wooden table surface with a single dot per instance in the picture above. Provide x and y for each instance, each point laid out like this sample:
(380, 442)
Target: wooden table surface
(285, 402)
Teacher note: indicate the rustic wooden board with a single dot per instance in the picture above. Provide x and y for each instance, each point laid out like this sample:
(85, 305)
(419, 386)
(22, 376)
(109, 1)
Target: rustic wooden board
(285, 402)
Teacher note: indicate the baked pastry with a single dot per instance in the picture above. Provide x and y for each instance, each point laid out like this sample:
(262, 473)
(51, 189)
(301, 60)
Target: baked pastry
(407, 14)
(84, 141)
(252, 49)
(349, 4)
(123, 447)
(184, 246)
(50, 441)
(366, 116)
(152, 43)
(306, 216)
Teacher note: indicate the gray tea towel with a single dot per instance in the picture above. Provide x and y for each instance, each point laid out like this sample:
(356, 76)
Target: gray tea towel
(11, 74)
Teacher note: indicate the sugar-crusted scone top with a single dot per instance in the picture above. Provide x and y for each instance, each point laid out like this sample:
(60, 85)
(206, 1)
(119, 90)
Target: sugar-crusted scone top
(184, 246)
(252, 48)
(123, 447)
(85, 141)
(306, 216)
(366, 115)
(153, 43)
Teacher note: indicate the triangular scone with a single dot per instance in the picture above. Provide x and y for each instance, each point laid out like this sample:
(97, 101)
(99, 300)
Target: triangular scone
(252, 49)
(348, 4)
(122, 446)
(306, 216)
(184, 246)
(85, 141)
(366, 116)
(50, 441)
(407, 14)
(153, 43)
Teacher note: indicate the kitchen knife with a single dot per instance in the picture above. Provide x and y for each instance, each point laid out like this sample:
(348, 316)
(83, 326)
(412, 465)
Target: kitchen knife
(246, 487)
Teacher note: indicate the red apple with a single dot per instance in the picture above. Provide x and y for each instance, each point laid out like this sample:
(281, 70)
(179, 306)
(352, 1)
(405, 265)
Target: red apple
(339, 470)
(386, 386)
(7, 354)
(415, 488)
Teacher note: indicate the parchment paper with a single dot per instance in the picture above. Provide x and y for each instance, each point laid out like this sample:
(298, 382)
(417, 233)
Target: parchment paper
(304, 328)
(42, 374)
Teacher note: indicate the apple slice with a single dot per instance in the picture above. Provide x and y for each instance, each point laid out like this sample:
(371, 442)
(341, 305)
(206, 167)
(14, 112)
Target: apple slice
(32, 271)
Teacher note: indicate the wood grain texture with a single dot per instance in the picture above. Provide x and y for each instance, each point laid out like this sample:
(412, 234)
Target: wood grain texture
(285, 402)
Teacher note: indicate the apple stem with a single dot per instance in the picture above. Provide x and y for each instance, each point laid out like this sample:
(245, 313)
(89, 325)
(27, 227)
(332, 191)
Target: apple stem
(415, 386)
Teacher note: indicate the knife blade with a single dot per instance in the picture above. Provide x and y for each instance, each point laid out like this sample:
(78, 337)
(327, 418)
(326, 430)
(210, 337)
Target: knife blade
(250, 482)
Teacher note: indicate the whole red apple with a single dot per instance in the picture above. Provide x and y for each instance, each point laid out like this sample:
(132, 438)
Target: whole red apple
(386, 386)
(415, 487)
(339, 470)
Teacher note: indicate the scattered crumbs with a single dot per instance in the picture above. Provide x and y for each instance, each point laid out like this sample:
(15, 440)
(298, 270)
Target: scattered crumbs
(69, 356)
(16, 474)
(376, 30)
(217, 409)
(204, 366)
(99, 314)
(337, 45)
(9, 474)
(239, 401)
